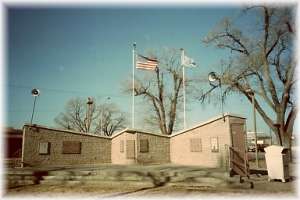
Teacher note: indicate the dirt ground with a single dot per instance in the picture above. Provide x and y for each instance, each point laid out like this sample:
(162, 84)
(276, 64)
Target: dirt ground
(138, 189)
(205, 185)
(111, 188)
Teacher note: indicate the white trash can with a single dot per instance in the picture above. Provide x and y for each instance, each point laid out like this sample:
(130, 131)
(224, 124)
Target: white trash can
(277, 161)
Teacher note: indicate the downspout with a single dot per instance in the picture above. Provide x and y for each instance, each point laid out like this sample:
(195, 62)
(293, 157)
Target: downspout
(136, 147)
(23, 147)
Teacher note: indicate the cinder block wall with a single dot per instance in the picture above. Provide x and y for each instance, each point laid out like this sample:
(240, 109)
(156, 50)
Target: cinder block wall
(159, 149)
(118, 156)
(162, 149)
(94, 149)
(180, 145)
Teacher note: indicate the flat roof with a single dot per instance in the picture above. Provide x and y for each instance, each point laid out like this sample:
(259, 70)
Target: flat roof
(208, 122)
(67, 131)
(12, 131)
(133, 131)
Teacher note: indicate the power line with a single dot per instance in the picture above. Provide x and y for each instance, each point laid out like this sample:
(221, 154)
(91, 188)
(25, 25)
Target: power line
(26, 111)
(64, 91)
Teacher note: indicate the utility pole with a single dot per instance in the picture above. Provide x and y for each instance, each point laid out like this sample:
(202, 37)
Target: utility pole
(88, 115)
(251, 93)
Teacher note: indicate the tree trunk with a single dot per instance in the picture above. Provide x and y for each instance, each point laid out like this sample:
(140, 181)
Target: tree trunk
(284, 139)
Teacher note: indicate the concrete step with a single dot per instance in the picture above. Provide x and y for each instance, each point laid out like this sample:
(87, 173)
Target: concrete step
(18, 177)
(17, 183)
(123, 177)
(19, 172)
(61, 182)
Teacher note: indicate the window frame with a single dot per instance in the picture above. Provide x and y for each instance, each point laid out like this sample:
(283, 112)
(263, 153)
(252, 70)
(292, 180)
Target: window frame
(67, 151)
(214, 150)
(122, 149)
(193, 143)
(144, 149)
(48, 148)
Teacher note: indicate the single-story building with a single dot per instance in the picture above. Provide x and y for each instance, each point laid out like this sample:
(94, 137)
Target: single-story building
(13, 140)
(134, 146)
(46, 146)
(13, 148)
(205, 144)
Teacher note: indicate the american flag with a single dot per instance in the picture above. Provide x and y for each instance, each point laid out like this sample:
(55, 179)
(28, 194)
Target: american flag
(146, 63)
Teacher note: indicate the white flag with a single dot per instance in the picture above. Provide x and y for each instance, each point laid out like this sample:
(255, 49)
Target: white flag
(187, 62)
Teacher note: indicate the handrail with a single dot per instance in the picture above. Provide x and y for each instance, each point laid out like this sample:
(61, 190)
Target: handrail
(237, 155)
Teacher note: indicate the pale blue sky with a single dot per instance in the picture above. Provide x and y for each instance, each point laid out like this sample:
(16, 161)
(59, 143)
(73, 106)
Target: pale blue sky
(81, 52)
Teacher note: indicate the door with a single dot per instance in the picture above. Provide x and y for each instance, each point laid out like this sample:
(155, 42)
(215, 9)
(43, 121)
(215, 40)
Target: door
(238, 158)
(130, 149)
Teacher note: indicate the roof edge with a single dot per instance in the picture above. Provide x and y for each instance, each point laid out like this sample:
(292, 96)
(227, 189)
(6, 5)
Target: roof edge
(208, 122)
(65, 130)
(133, 131)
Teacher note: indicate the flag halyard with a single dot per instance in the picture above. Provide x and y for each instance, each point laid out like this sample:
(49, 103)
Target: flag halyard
(146, 63)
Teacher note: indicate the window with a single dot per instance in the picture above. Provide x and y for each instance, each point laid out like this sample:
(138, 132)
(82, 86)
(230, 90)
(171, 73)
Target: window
(144, 146)
(71, 147)
(214, 144)
(44, 148)
(195, 145)
(122, 146)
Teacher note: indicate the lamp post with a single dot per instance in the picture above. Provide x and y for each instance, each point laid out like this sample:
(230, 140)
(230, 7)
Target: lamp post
(101, 119)
(215, 81)
(34, 92)
(251, 93)
(88, 115)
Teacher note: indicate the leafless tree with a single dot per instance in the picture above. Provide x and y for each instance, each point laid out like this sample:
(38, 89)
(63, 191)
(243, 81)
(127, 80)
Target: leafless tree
(77, 116)
(112, 119)
(162, 91)
(262, 61)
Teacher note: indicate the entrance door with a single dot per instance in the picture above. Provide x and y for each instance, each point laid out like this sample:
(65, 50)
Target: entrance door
(238, 158)
(130, 149)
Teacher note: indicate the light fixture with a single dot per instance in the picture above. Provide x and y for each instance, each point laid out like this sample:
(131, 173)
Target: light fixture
(215, 81)
(212, 77)
(90, 100)
(35, 92)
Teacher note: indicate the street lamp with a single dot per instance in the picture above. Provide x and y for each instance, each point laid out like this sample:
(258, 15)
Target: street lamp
(251, 93)
(34, 92)
(213, 78)
(215, 81)
(101, 119)
(88, 114)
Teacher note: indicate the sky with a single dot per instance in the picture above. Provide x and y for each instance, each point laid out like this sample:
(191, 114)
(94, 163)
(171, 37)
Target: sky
(81, 52)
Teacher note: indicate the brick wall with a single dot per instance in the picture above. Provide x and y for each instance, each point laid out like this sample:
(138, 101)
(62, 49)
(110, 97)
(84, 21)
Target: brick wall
(158, 148)
(191, 147)
(158, 151)
(118, 157)
(94, 149)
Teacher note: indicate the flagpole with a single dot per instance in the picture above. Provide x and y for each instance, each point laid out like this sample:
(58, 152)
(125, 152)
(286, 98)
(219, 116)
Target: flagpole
(183, 84)
(133, 66)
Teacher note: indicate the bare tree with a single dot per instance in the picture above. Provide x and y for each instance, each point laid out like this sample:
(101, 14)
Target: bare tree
(162, 91)
(79, 116)
(111, 119)
(262, 62)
